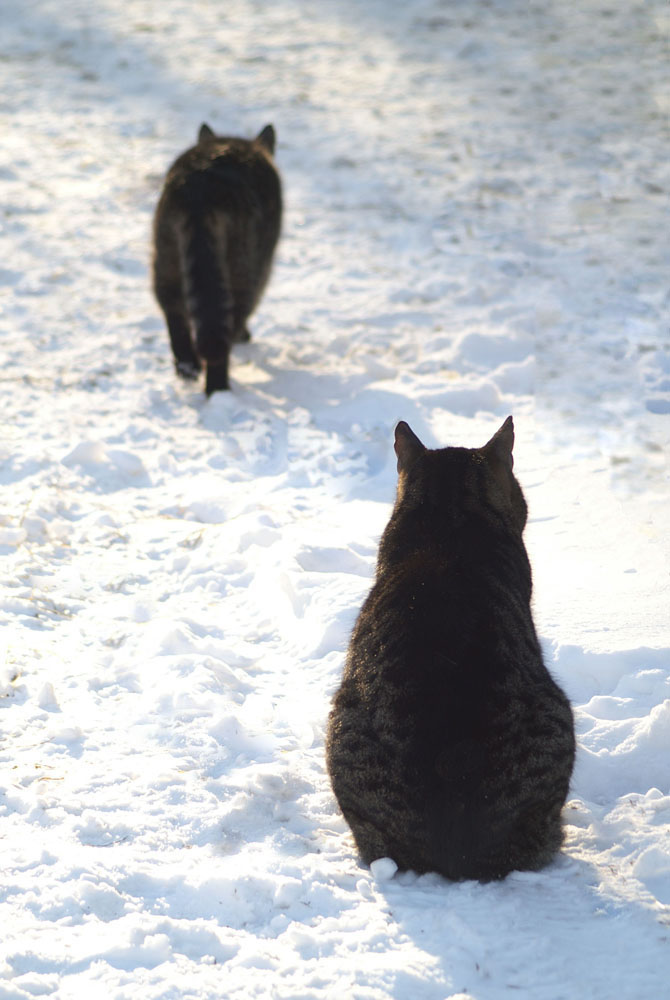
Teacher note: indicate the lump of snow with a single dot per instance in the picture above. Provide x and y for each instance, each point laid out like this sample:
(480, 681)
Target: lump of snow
(12, 536)
(47, 697)
(657, 725)
(113, 467)
(287, 892)
(383, 869)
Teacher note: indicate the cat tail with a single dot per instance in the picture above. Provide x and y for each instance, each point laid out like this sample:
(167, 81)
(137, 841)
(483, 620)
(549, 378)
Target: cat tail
(206, 286)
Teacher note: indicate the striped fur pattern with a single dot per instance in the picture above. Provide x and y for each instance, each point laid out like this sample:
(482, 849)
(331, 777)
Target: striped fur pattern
(215, 231)
(449, 745)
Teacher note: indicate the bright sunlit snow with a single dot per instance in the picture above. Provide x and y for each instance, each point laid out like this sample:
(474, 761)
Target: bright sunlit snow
(476, 224)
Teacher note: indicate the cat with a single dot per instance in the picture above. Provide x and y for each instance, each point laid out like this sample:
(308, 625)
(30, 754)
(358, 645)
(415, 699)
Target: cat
(449, 745)
(216, 227)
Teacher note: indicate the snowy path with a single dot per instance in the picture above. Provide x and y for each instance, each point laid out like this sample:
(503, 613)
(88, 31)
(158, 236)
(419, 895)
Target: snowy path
(477, 224)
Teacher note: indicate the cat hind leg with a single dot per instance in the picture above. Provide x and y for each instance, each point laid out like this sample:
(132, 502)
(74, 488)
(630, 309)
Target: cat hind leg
(170, 297)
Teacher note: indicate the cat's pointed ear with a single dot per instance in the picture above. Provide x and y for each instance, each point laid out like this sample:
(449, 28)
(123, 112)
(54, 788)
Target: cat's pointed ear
(502, 443)
(267, 138)
(407, 446)
(205, 133)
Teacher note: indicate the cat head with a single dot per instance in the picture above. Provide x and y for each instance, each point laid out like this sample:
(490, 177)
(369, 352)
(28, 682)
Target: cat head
(266, 137)
(472, 478)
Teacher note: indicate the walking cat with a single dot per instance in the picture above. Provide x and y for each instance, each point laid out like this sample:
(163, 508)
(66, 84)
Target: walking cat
(449, 745)
(215, 231)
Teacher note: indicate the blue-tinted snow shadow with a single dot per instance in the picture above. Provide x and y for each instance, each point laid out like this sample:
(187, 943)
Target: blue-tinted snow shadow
(488, 939)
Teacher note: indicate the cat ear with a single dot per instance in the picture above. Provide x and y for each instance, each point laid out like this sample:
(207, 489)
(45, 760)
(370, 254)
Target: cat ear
(267, 138)
(205, 133)
(407, 446)
(502, 443)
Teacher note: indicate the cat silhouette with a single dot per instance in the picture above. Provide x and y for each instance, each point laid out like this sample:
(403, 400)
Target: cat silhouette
(449, 745)
(215, 231)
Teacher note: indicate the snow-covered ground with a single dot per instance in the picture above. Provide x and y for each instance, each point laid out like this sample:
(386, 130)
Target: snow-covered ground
(477, 224)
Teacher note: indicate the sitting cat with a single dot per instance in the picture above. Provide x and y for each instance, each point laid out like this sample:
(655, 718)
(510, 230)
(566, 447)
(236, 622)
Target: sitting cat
(215, 231)
(449, 745)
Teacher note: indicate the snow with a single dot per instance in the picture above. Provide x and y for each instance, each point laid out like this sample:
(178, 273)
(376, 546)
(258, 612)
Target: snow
(476, 225)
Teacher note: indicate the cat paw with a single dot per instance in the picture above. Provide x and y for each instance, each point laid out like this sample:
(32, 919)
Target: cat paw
(188, 370)
(217, 378)
(242, 336)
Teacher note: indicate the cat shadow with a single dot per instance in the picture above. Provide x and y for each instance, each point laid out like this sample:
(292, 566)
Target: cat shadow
(292, 411)
(561, 907)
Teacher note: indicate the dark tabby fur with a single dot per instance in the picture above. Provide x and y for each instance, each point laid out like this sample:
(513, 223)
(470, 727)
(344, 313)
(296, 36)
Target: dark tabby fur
(449, 746)
(215, 231)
